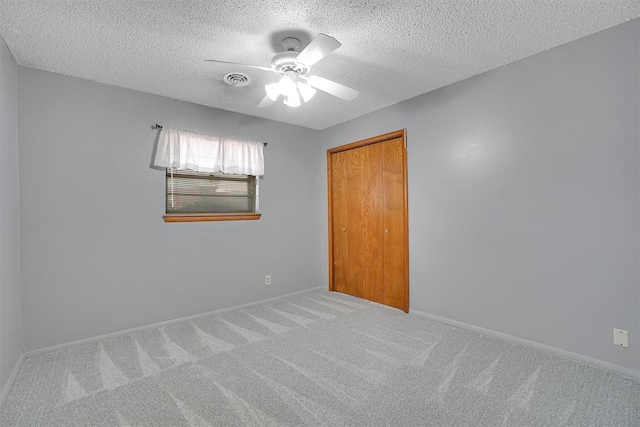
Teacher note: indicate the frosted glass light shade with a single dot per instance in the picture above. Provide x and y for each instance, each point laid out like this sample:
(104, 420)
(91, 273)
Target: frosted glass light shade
(273, 91)
(287, 86)
(293, 100)
(306, 91)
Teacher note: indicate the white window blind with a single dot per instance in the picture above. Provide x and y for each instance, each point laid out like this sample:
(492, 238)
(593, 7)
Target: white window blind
(196, 192)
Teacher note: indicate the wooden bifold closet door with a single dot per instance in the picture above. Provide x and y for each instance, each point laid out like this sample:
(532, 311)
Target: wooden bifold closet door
(368, 241)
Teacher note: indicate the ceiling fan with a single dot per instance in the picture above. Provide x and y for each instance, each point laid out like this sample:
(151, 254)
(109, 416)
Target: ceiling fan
(296, 86)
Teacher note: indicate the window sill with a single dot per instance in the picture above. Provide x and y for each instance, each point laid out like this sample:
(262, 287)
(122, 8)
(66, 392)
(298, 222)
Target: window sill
(211, 217)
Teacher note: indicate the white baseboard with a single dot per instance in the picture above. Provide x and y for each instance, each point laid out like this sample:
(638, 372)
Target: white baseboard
(84, 341)
(543, 347)
(12, 378)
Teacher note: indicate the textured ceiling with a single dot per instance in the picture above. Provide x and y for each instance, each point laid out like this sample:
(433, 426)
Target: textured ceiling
(391, 50)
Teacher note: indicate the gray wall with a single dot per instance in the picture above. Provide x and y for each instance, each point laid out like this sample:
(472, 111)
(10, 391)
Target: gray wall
(523, 195)
(98, 257)
(10, 290)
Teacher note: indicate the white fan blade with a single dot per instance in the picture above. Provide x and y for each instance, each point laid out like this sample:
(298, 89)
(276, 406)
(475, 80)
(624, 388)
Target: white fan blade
(243, 65)
(266, 101)
(319, 47)
(333, 88)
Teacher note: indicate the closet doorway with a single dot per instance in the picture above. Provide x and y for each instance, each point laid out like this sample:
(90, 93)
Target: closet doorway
(368, 219)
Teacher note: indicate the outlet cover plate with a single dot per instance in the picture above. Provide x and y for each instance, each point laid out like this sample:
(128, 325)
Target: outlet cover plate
(621, 338)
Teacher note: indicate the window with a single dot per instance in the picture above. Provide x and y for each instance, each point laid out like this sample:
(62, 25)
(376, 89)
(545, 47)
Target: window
(208, 177)
(202, 196)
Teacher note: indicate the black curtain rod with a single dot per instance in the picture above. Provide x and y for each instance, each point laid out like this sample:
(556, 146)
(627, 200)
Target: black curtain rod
(157, 126)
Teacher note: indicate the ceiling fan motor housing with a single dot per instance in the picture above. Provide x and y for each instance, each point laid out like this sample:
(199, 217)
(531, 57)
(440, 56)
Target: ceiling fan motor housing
(286, 61)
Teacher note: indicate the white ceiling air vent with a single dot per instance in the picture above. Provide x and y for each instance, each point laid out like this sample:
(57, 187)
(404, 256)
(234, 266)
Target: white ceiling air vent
(236, 79)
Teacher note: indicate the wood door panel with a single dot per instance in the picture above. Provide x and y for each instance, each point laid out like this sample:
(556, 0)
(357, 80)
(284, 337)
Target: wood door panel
(340, 238)
(394, 218)
(355, 221)
(374, 288)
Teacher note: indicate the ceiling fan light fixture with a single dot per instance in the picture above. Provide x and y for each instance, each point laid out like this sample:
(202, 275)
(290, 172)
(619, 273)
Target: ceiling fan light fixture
(292, 89)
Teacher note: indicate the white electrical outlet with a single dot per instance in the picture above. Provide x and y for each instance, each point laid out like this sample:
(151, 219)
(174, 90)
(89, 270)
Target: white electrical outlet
(621, 337)
(267, 280)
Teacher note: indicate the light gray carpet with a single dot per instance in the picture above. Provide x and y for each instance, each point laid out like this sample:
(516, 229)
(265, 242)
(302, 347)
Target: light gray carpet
(317, 358)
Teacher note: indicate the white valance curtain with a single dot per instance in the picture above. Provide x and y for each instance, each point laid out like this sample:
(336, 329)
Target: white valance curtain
(181, 149)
